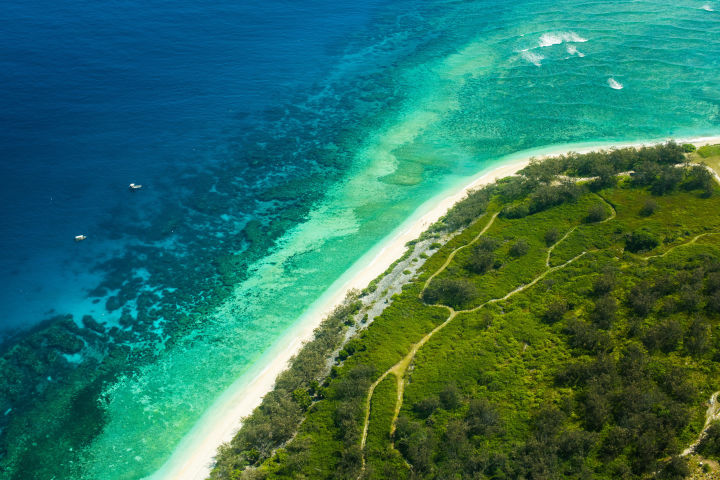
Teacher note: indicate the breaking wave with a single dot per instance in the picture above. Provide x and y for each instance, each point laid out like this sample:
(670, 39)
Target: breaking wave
(614, 84)
(532, 57)
(556, 38)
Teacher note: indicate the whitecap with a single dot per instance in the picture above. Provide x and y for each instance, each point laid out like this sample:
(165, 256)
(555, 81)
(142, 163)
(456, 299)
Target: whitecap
(556, 38)
(572, 50)
(614, 84)
(707, 8)
(532, 57)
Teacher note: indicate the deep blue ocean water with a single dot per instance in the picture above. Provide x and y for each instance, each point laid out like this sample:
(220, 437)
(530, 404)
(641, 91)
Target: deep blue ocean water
(277, 142)
(99, 95)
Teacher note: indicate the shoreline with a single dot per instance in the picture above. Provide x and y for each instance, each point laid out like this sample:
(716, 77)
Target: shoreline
(193, 458)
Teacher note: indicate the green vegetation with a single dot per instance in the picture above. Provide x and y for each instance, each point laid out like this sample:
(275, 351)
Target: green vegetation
(710, 445)
(709, 151)
(568, 330)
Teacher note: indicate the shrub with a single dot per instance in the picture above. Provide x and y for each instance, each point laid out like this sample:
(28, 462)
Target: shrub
(555, 311)
(605, 311)
(688, 147)
(520, 210)
(697, 338)
(425, 407)
(481, 262)
(710, 445)
(450, 397)
(690, 298)
(675, 469)
(713, 302)
(698, 177)
(466, 211)
(449, 291)
(667, 180)
(603, 284)
(597, 213)
(482, 418)
(648, 208)
(552, 236)
(350, 462)
(641, 299)
(640, 241)
(487, 244)
(519, 248)
(665, 336)
(605, 178)
(302, 398)
(547, 196)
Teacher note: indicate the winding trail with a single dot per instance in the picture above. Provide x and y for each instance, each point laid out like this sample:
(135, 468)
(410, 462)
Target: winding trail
(712, 414)
(691, 242)
(400, 368)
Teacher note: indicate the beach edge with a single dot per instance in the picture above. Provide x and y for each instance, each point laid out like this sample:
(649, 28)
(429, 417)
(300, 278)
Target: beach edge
(193, 458)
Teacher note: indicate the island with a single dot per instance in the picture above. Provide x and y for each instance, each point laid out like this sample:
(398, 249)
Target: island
(563, 322)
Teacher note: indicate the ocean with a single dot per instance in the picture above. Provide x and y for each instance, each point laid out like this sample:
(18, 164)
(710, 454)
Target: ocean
(277, 142)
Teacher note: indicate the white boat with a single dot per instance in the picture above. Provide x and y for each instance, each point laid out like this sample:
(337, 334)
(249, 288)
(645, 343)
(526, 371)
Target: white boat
(80, 238)
(135, 186)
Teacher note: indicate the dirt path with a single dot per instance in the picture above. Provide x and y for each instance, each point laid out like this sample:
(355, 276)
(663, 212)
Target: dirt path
(691, 242)
(712, 414)
(401, 367)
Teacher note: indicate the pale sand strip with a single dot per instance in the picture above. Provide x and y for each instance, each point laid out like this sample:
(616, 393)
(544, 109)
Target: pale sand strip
(193, 458)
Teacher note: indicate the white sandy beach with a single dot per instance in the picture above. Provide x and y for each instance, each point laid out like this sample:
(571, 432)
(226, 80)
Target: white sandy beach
(193, 458)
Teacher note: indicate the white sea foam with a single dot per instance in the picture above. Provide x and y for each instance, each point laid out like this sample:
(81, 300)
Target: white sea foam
(556, 38)
(614, 84)
(572, 50)
(532, 57)
(707, 8)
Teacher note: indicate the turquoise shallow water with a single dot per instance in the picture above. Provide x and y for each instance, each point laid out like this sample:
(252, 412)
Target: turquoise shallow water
(419, 99)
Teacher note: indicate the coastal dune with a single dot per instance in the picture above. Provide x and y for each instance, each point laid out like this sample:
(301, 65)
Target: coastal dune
(193, 457)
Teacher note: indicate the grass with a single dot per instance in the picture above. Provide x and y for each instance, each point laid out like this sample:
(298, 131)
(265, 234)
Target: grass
(709, 155)
(506, 391)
